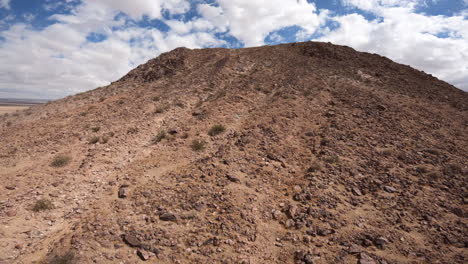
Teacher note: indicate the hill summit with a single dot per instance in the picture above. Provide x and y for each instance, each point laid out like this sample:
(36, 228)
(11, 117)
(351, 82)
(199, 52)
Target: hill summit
(296, 153)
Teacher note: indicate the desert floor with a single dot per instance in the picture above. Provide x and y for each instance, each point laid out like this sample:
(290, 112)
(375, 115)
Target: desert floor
(11, 109)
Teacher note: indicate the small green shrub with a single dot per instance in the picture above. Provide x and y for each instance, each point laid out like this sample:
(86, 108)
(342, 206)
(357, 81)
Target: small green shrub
(95, 129)
(216, 130)
(104, 140)
(42, 205)
(8, 123)
(159, 137)
(94, 140)
(120, 102)
(68, 258)
(198, 145)
(156, 98)
(333, 158)
(60, 161)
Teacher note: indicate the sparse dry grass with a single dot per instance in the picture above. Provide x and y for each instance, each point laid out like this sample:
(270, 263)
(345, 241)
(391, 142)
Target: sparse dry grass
(104, 140)
(94, 140)
(160, 109)
(159, 137)
(68, 258)
(314, 166)
(198, 145)
(332, 158)
(43, 205)
(60, 161)
(216, 130)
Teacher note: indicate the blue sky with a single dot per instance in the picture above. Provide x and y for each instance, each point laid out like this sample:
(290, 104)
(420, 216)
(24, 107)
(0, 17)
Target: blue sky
(50, 49)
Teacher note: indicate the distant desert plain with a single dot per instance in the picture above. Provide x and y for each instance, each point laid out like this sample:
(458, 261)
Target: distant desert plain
(4, 109)
(8, 106)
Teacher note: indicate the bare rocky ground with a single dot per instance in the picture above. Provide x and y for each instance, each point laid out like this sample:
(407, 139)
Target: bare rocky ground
(328, 156)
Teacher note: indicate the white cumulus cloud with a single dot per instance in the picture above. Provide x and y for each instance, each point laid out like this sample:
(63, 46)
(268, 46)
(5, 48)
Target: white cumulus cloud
(251, 21)
(435, 44)
(59, 60)
(5, 4)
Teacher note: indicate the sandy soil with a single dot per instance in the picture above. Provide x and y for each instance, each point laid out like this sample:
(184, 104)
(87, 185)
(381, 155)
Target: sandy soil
(11, 109)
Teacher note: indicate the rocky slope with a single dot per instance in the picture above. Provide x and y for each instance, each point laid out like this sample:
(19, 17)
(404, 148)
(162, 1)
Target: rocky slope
(296, 153)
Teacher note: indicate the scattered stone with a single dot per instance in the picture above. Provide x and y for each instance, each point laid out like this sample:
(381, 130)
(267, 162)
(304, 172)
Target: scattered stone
(144, 255)
(458, 212)
(232, 178)
(10, 187)
(297, 189)
(390, 189)
(381, 107)
(198, 113)
(324, 232)
(289, 223)
(308, 259)
(330, 113)
(131, 240)
(168, 217)
(123, 192)
(354, 249)
(172, 131)
(292, 210)
(303, 257)
(35, 234)
(380, 242)
(276, 214)
(11, 213)
(356, 191)
(211, 241)
(366, 259)
(366, 243)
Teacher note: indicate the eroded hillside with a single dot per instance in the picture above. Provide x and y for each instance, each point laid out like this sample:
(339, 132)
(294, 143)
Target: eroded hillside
(297, 153)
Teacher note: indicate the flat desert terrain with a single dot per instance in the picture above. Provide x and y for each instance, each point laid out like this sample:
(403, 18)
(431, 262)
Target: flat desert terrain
(11, 108)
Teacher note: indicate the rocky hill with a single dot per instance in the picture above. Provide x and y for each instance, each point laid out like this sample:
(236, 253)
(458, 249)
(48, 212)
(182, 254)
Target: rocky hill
(296, 153)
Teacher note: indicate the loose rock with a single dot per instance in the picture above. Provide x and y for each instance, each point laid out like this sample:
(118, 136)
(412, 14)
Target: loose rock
(390, 189)
(366, 259)
(144, 255)
(123, 192)
(168, 217)
(131, 240)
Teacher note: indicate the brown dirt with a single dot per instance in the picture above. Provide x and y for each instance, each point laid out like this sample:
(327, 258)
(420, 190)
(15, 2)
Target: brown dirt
(329, 156)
